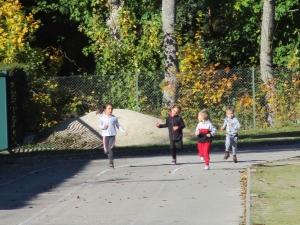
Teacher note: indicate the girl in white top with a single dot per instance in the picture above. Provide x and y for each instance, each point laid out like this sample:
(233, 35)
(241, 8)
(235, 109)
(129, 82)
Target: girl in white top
(108, 123)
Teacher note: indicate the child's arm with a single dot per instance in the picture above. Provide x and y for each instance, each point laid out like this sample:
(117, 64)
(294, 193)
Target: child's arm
(236, 124)
(162, 125)
(181, 125)
(212, 130)
(181, 122)
(120, 127)
(224, 125)
(101, 125)
(197, 133)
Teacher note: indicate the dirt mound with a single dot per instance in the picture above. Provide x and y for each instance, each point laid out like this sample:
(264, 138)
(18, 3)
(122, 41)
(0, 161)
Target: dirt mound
(85, 133)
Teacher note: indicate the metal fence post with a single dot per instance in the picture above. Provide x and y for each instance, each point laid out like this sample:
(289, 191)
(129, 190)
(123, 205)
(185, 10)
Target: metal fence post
(253, 96)
(137, 90)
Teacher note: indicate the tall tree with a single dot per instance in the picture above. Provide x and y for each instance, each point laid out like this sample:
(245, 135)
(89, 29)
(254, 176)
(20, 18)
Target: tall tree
(112, 21)
(266, 56)
(170, 50)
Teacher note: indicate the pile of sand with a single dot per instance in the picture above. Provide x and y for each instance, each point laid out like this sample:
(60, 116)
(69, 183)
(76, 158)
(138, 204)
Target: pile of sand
(86, 132)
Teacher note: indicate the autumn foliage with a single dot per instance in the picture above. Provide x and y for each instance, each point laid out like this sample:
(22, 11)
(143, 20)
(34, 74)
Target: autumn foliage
(16, 30)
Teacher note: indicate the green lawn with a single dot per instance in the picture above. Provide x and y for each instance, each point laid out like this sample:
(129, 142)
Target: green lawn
(276, 187)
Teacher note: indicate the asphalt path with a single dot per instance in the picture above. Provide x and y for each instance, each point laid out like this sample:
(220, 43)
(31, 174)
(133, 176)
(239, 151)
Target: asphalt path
(141, 190)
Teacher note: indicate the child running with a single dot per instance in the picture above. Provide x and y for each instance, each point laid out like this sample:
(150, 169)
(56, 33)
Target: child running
(108, 123)
(205, 131)
(175, 124)
(232, 126)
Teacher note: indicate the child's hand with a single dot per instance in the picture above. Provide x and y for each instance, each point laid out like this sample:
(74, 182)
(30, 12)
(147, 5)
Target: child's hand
(197, 133)
(157, 125)
(222, 128)
(126, 133)
(208, 135)
(175, 128)
(106, 126)
(230, 124)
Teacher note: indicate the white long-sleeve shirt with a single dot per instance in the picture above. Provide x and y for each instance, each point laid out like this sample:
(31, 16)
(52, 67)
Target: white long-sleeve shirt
(112, 123)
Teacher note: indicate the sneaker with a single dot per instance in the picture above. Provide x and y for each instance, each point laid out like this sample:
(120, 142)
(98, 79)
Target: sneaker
(207, 167)
(234, 159)
(226, 156)
(174, 161)
(201, 158)
(111, 166)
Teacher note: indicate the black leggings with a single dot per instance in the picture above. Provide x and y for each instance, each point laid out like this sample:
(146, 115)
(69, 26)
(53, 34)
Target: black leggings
(175, 145)
(108, 144)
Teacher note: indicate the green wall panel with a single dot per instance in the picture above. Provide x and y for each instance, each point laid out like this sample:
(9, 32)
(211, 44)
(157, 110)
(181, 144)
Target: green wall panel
(3, 114)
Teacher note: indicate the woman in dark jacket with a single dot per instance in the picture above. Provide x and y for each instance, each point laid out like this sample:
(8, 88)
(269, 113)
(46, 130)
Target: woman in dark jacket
(175, 124)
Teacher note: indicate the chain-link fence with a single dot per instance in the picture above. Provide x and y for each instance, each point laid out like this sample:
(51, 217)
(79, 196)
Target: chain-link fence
(139, 92)
(242, 89)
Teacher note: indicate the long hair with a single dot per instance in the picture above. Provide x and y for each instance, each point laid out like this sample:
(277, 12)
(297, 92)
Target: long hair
(100, 111)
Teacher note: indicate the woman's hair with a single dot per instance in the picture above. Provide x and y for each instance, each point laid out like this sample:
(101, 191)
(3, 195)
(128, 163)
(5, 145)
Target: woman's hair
(204, 113)
(103, 108)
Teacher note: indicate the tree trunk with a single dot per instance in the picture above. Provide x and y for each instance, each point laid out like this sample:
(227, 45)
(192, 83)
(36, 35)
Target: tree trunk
(112, 21)
(266, 57)
(170, 50)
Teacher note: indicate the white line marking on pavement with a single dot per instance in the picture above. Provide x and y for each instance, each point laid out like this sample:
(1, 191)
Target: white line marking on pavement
(102, 172)
(174, 171)
(128, 166)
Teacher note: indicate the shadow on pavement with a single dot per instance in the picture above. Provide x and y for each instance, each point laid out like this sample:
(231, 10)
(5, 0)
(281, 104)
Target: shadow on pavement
(23, 179)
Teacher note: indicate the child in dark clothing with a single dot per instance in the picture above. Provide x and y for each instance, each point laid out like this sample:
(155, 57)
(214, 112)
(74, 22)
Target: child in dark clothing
(175, 124)
(205, 131)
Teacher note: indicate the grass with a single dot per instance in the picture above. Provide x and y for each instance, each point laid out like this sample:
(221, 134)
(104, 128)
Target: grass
(257, 135)
(277, 187)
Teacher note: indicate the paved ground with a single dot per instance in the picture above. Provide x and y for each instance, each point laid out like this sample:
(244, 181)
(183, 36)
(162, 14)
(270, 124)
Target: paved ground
(141, 190)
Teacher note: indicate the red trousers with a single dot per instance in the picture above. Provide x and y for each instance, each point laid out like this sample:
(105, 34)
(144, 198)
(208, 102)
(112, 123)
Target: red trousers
(204, 150)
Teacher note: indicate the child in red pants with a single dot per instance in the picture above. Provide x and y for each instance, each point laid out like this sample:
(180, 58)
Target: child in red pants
(205, 131)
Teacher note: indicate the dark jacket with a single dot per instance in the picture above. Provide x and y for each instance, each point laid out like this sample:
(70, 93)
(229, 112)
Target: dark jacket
(172, 121)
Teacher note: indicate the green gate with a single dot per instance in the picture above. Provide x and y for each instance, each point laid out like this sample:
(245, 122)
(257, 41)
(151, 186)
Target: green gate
(3, 112)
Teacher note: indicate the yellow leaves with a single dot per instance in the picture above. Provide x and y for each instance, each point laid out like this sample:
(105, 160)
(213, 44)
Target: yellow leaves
(229, 85)
(14, 29)
(56, 59)
(244, 102)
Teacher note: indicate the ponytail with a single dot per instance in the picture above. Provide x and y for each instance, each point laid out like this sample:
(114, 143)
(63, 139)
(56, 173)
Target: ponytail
(100, 111)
